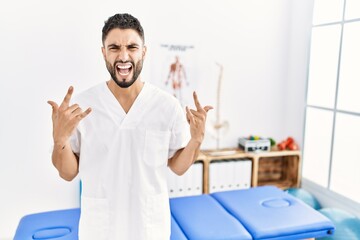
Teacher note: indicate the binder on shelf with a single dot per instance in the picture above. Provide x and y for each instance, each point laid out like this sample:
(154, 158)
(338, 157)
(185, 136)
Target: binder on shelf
(180, 182)
(229, 174)
(229, 178)
(212, 177)
(190, 183)
(222, 175)
(197, 179)
(247, 166)
(237, 175)
(171, 181)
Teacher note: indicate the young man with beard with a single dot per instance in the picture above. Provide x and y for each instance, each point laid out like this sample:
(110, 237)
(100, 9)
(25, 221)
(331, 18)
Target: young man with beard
(122, 144)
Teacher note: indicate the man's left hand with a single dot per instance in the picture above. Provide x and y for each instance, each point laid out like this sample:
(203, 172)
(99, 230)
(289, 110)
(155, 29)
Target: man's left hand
(197, 119)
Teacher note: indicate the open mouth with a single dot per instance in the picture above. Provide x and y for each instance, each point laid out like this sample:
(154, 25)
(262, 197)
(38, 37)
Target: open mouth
(123, 69)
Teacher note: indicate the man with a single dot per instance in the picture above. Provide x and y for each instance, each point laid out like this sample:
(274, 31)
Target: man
(122, 149)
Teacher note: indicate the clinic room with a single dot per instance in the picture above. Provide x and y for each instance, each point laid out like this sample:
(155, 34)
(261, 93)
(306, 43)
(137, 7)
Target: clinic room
(180, 120)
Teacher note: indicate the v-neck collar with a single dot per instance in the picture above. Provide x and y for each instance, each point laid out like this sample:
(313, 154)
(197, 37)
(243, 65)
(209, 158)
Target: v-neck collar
(115, 109)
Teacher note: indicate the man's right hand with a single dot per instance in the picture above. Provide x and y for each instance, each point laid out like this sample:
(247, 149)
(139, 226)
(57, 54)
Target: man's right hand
(65, 119)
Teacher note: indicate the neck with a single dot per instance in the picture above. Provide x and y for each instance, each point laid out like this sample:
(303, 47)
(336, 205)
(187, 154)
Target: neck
(125, 93)
(126, 96)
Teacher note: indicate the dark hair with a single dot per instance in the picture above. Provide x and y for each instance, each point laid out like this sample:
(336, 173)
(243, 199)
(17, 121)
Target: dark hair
(122, 21)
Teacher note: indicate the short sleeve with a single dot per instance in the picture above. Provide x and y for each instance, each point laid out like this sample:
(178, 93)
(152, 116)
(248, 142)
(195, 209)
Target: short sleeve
(180, 132)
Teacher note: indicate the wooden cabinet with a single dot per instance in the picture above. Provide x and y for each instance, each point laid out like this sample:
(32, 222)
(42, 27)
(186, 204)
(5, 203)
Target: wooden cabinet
(279, 168)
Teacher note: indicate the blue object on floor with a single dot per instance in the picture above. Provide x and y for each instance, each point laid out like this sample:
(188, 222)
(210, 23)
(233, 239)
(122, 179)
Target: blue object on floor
(62, 224)
(305, 196)
(347, 225)
(270, 213)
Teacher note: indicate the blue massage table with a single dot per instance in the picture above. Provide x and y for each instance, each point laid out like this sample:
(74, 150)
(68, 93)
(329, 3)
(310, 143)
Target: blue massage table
(59, 225)
(255, 213)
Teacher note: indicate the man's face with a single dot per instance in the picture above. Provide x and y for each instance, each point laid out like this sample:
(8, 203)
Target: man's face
(124, 53)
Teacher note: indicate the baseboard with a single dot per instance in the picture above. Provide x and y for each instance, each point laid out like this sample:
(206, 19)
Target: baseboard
(328, 198)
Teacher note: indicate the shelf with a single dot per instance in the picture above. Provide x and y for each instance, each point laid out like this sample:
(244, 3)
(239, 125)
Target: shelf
(278, 168)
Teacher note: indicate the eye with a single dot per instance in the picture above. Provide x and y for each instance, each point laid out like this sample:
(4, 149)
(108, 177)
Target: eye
(113, 48)
(132, 47)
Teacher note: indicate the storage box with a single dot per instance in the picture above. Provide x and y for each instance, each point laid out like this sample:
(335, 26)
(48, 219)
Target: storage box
(260, 145)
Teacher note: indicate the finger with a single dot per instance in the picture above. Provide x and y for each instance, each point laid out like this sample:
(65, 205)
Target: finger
(73, 107)
(197, 114)
(53, 105)
(197, 103)
(67, 98)
(84, 114)
(187, 118)
(190, 116)
(207, 108)
(76, 112)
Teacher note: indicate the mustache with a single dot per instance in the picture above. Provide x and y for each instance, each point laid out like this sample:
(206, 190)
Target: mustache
(121, 61)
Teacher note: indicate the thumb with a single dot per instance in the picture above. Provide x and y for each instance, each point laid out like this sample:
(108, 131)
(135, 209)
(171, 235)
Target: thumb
(53, 105)
(207, 108)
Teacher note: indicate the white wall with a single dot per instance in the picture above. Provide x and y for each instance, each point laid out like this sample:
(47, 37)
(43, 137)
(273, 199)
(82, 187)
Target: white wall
(297, 71)
(48, 45)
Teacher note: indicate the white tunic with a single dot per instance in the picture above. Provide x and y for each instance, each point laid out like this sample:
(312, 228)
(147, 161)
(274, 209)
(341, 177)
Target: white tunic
(123, 163)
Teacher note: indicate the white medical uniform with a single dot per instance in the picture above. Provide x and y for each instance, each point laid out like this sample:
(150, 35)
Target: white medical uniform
(123, 163)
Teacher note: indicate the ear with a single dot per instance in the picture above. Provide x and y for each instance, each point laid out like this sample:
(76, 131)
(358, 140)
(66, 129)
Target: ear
(103, 52)
(144, 51)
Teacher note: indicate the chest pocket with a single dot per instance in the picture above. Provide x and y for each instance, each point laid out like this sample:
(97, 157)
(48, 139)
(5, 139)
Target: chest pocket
(156, 147)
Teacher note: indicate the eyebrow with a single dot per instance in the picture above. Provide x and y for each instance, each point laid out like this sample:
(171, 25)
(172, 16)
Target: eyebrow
(118, 46)
(113, 45)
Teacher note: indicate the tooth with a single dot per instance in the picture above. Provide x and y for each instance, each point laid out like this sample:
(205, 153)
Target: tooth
(123, 67)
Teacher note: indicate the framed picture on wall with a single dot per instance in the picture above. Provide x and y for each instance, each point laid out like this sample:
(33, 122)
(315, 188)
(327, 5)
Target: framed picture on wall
(174, 70)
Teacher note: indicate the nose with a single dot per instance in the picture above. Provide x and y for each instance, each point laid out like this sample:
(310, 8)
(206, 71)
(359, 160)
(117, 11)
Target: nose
(123, 54)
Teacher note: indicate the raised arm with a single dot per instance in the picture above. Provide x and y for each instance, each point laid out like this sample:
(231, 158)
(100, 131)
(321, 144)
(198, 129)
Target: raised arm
(65, 119)
(185, 157)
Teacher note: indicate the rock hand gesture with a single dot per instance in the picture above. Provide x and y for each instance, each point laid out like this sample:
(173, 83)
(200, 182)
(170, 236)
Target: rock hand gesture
(65, 119)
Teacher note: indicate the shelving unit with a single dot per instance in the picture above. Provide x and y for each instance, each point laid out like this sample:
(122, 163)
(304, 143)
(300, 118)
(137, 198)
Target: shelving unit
(279, 168)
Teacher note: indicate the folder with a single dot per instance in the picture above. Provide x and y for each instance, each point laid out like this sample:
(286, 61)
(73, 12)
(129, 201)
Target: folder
(197, 178)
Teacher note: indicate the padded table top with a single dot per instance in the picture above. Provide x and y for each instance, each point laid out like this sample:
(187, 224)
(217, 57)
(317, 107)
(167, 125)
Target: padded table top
(268, 212)
(61, 224)
(255, 213)
(176, 232)
(203, 218)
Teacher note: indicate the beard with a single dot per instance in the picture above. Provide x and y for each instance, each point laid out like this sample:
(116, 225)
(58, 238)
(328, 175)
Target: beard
(122, 82)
